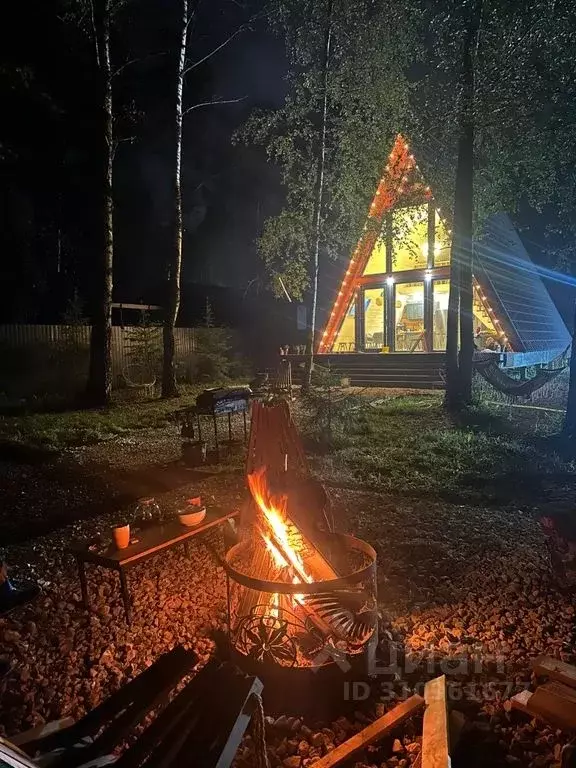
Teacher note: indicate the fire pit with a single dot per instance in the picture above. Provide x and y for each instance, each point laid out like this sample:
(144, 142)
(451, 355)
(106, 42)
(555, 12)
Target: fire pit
(299, 596)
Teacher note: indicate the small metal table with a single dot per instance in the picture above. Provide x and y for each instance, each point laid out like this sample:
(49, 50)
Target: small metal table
(150, 542)
(193, 415)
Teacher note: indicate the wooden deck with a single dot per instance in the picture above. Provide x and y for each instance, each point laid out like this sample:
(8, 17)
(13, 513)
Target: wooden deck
(417, 370)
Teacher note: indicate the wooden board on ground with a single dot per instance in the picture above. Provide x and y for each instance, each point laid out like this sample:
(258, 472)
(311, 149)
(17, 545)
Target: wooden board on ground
(435, 735)
(552, 702)
(376, 730)
(555, 669)
(41, 731)
(520, 702)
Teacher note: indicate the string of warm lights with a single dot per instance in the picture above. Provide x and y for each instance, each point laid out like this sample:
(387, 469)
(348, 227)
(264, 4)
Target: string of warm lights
(483, 300)
(392, 186)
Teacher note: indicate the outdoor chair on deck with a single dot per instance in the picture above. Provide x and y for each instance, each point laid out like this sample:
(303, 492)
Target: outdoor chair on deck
(202, 726)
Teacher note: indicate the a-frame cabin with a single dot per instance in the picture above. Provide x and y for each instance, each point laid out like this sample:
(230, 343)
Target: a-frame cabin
(393, 297)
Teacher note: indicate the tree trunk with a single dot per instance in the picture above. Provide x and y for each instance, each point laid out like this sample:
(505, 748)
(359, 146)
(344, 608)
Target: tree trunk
(466, 201)
(311, 342)
(99, 388)
(569, 429)
(452, 397)
(460, 304)
(169, 388)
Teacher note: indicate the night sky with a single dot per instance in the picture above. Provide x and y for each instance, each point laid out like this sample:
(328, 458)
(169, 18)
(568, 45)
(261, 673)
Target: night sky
(46, 146)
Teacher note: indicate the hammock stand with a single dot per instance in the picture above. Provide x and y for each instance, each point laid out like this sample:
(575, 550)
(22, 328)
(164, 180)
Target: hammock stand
(507, 385)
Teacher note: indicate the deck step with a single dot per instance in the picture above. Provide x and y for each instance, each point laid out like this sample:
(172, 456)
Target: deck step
(417, 371)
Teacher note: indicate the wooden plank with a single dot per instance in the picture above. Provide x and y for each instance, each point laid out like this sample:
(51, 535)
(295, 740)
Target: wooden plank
(520, 702)
(553, 702)
(373, 732)
(232, 721)
(165, 671)
(41, 731)
(167, 732)
(435, 735)
(555, 669)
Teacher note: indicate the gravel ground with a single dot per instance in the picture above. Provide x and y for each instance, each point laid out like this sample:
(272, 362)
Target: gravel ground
(469, 586)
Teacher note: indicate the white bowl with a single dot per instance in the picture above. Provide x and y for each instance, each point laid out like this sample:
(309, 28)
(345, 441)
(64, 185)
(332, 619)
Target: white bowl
(192, 517)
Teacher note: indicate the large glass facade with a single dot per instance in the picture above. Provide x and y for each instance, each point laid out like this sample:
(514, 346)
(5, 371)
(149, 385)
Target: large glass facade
(409, 317)
(392, 313)
(374, 318)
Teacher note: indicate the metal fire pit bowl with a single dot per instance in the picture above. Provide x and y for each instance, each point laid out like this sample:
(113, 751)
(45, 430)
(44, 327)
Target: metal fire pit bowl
(303, 625)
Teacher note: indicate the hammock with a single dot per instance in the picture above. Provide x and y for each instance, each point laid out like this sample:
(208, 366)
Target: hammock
(138, 376)
(490, 371)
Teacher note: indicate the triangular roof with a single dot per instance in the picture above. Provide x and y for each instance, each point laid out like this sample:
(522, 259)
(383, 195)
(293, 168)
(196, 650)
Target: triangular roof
(401, 181)
(506, 272)
(506, 280)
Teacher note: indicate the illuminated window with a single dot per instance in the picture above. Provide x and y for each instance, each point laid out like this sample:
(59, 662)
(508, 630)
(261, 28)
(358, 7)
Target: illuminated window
(410, 238)
(346, 336)
(440, 293)
(442, 243)
(377, 261)
(374, 314)
(409, 317)
(485, 333)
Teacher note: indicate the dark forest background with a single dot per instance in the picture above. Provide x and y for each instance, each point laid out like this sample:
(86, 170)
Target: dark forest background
(49, 204)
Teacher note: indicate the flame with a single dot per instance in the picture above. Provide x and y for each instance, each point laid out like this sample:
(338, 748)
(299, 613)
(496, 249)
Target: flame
(275, 605)
(277, 556)
(274, 515)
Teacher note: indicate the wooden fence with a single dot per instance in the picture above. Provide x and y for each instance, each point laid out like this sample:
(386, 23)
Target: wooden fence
(35, 347)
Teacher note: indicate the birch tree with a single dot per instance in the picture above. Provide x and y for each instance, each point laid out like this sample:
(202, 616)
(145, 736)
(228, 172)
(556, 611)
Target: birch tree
(311, 343)
(188, 13)
(174, 267)
(99, 387)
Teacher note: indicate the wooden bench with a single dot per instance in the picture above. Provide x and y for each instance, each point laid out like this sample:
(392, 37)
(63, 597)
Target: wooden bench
(150, 542)
(203, 724)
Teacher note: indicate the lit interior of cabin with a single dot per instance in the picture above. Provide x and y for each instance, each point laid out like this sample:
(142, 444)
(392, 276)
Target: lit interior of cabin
(390, 310)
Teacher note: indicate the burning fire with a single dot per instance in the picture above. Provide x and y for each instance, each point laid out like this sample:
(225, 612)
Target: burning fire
(283, 552)
(274, 514)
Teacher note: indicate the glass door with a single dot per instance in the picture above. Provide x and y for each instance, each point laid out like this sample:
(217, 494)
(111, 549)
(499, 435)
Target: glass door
(374, 319)
(409, 317)
(440, 295)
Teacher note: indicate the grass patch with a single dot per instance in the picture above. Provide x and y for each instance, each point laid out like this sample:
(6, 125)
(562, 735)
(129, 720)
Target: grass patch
(410, 446)
(84, 427)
